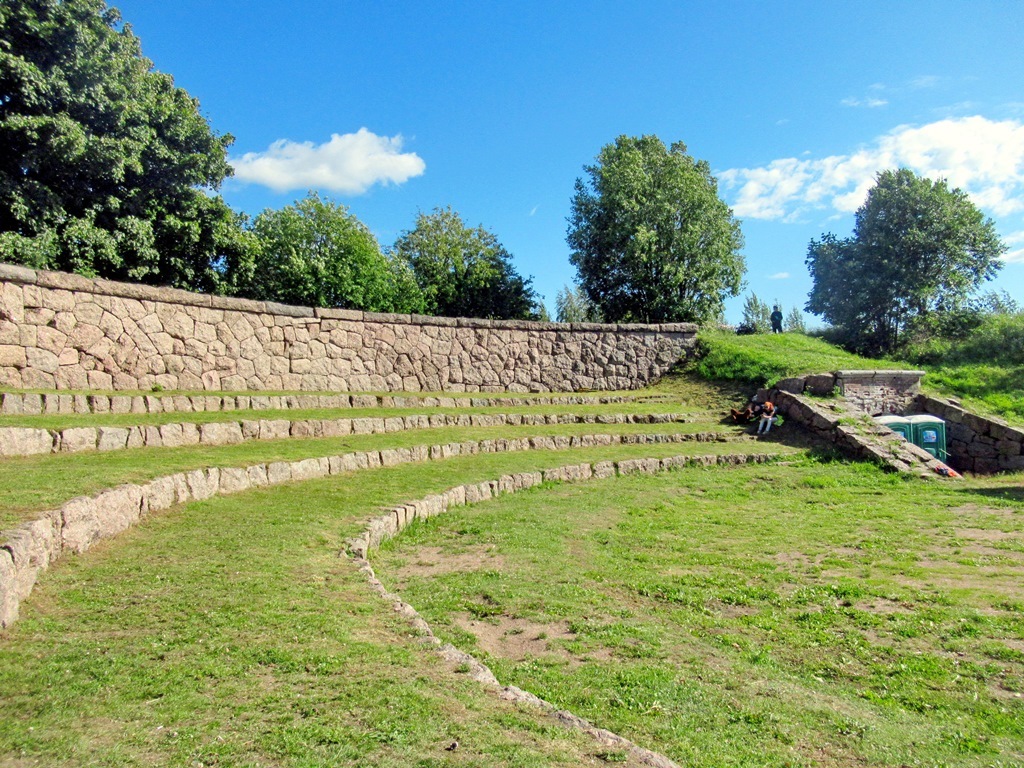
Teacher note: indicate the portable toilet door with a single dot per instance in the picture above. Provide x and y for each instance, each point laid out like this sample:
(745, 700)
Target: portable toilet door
(930, 434)
(899, 424)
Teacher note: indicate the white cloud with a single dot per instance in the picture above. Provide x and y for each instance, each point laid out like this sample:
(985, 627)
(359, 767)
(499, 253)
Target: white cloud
(1014, 255)
(779, 276)
(870, 102)
(985, 158)
(349, 163)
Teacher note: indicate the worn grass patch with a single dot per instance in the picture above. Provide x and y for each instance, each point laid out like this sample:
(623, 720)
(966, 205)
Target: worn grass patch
(806, 614)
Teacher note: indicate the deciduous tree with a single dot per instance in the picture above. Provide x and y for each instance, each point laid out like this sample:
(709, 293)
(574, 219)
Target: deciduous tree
(651, 239)
(106, 168)
(316, 253)
(464, 271)
(917, 246)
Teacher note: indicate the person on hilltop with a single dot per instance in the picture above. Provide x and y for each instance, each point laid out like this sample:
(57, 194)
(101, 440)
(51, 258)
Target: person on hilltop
(776, 318)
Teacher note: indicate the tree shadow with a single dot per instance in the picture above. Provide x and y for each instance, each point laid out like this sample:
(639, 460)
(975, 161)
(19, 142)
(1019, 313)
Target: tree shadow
(1015, 494)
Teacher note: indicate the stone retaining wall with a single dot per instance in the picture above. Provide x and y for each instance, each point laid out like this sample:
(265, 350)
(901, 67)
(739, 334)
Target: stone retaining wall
(854, 433)
(975, 443)
(79, 523)
(874, 392)
(61, 331)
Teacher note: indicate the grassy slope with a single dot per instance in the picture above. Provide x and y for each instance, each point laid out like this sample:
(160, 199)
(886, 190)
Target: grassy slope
(763, 359)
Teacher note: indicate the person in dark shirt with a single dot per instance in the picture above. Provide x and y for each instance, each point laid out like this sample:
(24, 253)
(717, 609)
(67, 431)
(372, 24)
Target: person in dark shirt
(776, 318)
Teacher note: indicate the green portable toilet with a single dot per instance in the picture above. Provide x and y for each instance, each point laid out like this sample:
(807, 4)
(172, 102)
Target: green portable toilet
(898, 424)
(929, 433)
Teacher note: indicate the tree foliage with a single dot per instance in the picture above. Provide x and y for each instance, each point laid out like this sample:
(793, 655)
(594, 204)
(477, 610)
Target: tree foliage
(794, 322)
(650, 237)
(918, 247)
(104, 163)
(315, 253)
(573, 306)
(756, 314)
(463, 271)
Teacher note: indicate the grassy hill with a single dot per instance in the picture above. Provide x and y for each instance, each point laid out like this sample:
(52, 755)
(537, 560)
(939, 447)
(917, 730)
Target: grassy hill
(995, 387)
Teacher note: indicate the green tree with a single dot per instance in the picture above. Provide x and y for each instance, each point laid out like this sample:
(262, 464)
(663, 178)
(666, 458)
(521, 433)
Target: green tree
(756, 314)
(917, 246)
(315, 253)
(651, 239)
(106, 167)
(463, 271)
(794, 322)
(573, 306)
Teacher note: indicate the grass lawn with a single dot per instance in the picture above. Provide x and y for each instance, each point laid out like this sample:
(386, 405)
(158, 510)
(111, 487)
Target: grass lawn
(804, 614)
(230, 632)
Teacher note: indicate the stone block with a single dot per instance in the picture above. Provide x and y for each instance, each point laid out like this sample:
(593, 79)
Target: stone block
(220, 433)
(112, 438)
(78, 439)
(792, 385)
(23, 441)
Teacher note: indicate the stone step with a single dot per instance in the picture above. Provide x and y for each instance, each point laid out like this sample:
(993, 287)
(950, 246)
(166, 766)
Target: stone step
(29, 441)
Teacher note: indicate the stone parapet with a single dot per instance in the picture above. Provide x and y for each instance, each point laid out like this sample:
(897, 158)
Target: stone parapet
(30, 441)
(56, 403)
(62, 331)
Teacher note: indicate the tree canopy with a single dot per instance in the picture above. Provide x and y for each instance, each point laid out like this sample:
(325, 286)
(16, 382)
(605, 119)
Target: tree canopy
(917, 247)
(651, 239)
(105, 166)
(316, 253)
(464, 271)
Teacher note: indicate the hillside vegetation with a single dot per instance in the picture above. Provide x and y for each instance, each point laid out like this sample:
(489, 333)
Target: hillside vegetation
(985, 370)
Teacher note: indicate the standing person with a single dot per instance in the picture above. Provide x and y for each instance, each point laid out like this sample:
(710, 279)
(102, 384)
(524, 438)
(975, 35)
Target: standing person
(776, 318)
(767, 416)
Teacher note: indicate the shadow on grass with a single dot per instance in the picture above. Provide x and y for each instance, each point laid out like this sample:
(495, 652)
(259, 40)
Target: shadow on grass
(1004, 494)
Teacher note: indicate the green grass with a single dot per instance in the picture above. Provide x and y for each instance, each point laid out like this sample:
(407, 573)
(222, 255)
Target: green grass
(986, 389)
(69, 475)
(762, 359)
(786, 615)
(229, 632)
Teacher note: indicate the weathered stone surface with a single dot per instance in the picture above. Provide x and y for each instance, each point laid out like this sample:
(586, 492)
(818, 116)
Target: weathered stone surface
(86, 520)
(24, 441)
(220, 433)
(78, 439)
(70, 334)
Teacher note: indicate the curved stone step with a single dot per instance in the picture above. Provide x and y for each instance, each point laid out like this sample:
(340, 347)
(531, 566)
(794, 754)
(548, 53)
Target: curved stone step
(400, 516)
(30, 403)
(80, 522)
(31, 441)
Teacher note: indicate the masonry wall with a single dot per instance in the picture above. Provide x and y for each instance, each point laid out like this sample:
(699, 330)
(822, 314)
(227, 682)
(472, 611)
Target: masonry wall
(61, 331)
(975, 443)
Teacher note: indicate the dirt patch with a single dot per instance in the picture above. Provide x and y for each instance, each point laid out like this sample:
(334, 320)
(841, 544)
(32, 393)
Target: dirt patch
(520, 639)
(434, 561)
(883, 606)
(982, 534)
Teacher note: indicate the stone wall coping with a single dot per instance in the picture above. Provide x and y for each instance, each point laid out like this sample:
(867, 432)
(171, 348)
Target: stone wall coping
(72, 282)
(878, 374)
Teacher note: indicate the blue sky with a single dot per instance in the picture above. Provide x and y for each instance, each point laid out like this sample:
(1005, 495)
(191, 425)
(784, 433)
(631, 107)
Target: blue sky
(493, 108)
